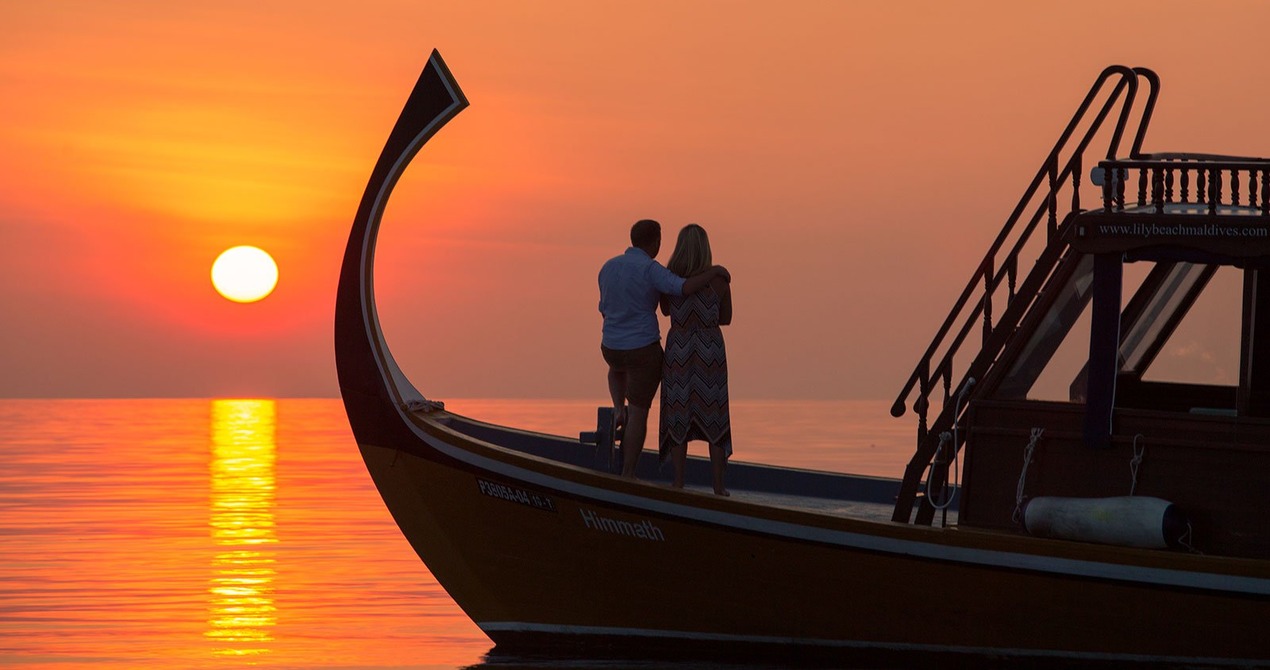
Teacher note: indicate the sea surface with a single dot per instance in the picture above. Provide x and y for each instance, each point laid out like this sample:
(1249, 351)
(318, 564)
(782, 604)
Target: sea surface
(231, 533)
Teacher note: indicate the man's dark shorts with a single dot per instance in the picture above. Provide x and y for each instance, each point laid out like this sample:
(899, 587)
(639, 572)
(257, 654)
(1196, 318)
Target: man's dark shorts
(643, 371)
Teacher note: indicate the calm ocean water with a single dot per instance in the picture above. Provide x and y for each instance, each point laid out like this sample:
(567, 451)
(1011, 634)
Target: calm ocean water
(247, 533)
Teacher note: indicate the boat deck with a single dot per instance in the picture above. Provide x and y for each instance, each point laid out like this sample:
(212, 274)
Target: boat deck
(837, 494)
(855, 509)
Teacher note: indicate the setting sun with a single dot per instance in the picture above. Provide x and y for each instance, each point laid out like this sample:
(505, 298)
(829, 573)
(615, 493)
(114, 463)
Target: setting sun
(244, 274)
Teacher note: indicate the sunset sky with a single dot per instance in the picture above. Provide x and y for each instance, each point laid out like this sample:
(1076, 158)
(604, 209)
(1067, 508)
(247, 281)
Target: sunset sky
(851, 161)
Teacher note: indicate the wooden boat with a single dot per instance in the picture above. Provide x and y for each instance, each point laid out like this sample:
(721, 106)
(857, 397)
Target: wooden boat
(1124, 523)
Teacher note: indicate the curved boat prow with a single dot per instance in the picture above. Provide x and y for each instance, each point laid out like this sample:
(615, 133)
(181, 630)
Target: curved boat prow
(371, 383)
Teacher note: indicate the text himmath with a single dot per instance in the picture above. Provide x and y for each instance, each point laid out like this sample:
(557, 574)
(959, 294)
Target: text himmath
(644, 530)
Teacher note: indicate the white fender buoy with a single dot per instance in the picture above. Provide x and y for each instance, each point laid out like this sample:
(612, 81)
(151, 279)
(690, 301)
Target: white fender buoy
(1129, 521)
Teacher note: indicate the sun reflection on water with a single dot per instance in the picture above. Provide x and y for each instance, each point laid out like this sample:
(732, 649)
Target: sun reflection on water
(241, 610)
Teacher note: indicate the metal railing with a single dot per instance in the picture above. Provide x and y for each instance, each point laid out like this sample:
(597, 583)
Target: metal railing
(1061, 168)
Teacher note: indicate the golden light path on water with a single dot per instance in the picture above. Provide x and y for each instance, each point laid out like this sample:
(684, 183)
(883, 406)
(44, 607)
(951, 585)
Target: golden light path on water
(241, 608)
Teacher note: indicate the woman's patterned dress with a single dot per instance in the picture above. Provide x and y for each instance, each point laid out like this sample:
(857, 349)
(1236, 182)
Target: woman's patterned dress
(694, 386)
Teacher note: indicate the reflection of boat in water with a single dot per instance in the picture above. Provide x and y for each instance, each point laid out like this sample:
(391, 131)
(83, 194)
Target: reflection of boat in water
(1124, 522)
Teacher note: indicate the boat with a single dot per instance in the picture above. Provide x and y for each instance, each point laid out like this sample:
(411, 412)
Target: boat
(1122, 523)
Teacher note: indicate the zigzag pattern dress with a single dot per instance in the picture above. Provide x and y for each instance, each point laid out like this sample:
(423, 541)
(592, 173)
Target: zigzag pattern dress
(694, 385)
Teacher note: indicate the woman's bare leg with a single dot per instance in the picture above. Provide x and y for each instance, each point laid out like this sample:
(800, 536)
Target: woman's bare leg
(679, 458)
(718, 461)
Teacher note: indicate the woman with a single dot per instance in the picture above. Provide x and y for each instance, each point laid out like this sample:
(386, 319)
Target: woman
(694, 387)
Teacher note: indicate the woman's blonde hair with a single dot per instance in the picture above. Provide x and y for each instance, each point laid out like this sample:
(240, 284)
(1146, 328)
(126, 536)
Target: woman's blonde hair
(692, 252)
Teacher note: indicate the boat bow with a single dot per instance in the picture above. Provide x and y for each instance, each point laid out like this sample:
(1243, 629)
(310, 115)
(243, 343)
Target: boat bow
(371, 382)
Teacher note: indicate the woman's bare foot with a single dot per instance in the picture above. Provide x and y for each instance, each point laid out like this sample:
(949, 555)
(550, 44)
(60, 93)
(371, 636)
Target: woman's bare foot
(722, 492)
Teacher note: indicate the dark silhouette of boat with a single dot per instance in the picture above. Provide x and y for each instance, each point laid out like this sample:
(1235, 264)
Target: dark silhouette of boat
(1125, 523)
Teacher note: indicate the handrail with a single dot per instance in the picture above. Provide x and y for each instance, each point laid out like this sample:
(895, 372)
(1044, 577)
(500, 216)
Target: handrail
(992, 274)
(1192, 160)
(1148, 109)
(1193, 156)
(1128, 80)
(1071, 170)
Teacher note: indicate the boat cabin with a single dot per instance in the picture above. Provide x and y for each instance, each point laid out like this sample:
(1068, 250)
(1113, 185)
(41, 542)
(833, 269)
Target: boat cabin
(1112, 282)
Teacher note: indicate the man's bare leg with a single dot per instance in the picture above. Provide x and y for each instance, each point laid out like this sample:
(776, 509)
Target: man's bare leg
(617, 391)
(633, 440)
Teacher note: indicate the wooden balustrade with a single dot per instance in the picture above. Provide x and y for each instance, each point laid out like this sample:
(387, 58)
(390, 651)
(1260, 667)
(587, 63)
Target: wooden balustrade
(1220, 185)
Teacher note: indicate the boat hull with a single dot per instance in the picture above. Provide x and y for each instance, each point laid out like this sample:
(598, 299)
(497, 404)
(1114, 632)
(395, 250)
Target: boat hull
(547, 556)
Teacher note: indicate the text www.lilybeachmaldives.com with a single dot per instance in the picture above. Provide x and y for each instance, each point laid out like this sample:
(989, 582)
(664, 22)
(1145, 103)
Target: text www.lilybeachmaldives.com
(1210, 230)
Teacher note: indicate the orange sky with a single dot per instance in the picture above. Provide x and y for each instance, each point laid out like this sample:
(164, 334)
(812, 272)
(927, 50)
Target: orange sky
(851, 161)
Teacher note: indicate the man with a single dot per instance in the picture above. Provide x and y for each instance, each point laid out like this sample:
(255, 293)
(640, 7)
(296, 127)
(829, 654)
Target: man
(630, 286)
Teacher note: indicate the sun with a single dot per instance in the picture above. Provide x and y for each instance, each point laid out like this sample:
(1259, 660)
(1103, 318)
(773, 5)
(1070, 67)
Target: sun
(244, 274)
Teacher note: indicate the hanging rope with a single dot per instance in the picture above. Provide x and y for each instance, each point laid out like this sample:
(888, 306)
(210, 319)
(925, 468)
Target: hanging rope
(1027, 460)
(1134, 462)
(944, 438)
(1187, 538)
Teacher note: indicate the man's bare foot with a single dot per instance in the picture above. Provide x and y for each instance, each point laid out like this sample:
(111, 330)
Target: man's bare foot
(722, 492)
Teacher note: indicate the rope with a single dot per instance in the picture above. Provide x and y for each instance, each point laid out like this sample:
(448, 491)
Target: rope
(944, 438)
(1186, 540)
(1027, 460)
(1134, 462)
(424, 405)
